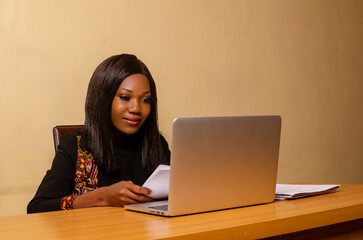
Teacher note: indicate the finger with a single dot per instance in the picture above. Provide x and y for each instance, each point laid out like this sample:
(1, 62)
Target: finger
(133, 201)
(144, 191)
(128, 201)
(129, 197)
(139, 190)
(142, 198)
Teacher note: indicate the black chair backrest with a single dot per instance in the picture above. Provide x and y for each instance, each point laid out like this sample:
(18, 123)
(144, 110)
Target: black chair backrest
(59, 131)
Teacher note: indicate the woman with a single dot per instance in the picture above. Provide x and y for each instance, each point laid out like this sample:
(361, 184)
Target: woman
(118, 149)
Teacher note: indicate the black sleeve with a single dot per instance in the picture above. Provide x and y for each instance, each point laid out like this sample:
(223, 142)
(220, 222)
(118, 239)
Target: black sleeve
(165, 146)
(59, 180)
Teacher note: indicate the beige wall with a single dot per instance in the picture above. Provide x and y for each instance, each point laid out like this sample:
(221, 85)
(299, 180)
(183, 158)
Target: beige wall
(299, 59)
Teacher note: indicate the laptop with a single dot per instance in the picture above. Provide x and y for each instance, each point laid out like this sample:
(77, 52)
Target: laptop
(219, 163)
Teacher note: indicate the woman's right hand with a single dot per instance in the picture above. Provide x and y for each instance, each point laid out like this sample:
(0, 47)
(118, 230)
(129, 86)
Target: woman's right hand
(118, 195)
(126, 192)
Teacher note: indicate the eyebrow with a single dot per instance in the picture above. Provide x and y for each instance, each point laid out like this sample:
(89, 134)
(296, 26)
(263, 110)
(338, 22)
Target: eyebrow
(132, 91)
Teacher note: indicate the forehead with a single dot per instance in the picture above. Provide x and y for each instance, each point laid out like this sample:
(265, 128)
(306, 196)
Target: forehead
(135, 83)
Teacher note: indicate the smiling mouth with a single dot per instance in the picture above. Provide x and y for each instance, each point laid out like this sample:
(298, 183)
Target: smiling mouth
(132, 121)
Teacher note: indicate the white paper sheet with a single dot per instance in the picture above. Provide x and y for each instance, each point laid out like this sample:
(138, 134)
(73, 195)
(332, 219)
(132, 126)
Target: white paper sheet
(292, 191)
(158, 182)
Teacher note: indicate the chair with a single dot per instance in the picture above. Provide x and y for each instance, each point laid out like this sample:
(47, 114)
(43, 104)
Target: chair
(59, 131)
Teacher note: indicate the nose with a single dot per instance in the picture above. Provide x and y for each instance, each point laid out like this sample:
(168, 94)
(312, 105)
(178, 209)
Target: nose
(134, 106)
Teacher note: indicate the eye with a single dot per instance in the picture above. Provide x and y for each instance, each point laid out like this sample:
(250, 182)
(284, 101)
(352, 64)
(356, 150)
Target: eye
(124, 97)
(146, 99)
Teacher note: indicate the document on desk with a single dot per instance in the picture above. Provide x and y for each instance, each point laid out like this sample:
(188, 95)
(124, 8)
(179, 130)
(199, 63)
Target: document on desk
(293, 191)
(158, 182)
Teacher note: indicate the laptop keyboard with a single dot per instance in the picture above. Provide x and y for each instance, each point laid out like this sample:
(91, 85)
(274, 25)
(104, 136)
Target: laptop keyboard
(161, 207)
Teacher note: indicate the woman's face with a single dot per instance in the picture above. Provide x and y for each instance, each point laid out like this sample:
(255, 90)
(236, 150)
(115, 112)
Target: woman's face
(131, 104)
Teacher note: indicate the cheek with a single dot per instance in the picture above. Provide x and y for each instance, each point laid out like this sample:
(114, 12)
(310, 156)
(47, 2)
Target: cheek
(147, 111)
(116, 109)
(113, 115)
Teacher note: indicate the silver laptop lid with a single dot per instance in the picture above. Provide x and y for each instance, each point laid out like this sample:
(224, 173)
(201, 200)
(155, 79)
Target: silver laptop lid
(223, 162)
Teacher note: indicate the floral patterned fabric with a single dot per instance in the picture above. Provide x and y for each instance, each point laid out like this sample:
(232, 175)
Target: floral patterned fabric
(86, 176)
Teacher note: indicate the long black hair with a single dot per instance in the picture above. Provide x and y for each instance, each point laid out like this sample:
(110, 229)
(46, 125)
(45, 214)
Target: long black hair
(99, 134)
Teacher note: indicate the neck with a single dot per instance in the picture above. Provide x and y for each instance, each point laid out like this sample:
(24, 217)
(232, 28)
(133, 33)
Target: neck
(123, 139)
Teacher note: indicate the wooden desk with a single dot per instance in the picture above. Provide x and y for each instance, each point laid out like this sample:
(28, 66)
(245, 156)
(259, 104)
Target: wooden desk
(252, 222)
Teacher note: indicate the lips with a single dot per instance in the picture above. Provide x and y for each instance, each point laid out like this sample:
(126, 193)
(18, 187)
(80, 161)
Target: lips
(132, 121)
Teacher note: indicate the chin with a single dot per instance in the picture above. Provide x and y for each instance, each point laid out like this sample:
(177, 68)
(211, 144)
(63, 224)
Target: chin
(129, 131)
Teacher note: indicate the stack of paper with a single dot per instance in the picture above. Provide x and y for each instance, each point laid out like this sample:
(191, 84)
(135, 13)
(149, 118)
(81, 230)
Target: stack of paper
(293, 191)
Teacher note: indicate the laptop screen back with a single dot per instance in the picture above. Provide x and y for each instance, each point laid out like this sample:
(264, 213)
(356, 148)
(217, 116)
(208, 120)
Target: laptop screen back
(223, 162)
